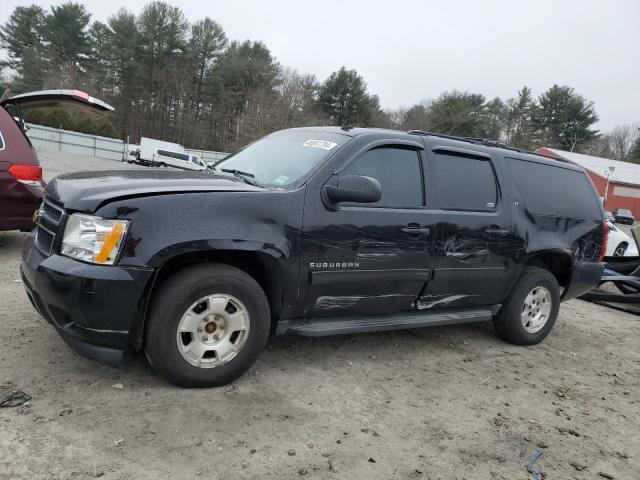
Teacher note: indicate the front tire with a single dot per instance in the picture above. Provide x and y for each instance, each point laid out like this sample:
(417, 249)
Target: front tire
(207, 325)
(530, 311)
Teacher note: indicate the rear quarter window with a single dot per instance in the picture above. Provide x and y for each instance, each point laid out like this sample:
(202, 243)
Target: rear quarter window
(554, 191)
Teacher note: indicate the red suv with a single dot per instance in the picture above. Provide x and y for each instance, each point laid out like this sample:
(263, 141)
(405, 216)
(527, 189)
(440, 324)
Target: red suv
(21, 184)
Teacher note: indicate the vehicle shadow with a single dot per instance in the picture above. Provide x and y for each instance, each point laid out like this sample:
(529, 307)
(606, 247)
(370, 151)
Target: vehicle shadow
(322, 352)
(411, 338)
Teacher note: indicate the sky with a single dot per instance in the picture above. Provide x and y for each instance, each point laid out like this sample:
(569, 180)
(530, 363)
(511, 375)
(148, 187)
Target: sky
(409, 51)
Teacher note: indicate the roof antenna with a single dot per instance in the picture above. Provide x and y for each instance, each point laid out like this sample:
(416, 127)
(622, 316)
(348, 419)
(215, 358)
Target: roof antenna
(346, 128)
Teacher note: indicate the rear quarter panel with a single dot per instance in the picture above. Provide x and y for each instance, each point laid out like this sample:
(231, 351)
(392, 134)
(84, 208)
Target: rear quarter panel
(578, 237)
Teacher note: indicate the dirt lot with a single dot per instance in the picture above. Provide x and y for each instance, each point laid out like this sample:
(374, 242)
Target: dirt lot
(441, 403)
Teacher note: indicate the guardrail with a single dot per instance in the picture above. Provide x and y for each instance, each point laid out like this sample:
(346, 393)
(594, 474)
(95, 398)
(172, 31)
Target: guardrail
(49, 138)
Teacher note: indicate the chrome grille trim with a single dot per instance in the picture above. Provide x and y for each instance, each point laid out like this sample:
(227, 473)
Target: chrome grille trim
(46, 229)
(53, 216)
(49, 220)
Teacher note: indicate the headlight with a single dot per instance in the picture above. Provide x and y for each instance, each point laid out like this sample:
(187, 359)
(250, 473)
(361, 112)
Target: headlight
(93, 239)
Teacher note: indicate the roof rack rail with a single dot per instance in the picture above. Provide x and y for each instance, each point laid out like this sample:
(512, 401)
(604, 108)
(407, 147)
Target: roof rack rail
(474, 140)
(483, 141)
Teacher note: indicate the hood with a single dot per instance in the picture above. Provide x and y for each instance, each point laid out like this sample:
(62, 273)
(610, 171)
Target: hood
(87, 191)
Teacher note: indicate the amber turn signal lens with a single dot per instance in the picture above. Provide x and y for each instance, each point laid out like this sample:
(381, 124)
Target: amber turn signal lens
(109, 243)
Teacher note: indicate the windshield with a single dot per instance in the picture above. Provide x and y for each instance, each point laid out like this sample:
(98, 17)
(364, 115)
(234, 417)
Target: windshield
(283, 158)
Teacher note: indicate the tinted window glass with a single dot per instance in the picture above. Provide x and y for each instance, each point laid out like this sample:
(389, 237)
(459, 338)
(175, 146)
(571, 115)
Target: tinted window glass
(176, 155)
(398, 171)
(557, 191)
(464, 183)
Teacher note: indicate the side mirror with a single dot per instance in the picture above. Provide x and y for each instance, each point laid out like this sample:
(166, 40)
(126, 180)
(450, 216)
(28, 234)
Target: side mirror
(354, 188)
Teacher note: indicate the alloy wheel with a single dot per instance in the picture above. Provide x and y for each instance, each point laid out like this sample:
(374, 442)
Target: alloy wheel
(536, 309)
(213, 330)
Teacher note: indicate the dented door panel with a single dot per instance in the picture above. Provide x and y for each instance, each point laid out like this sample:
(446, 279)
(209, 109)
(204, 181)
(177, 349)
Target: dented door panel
(362, 259)
(474, 249)
(365, 268)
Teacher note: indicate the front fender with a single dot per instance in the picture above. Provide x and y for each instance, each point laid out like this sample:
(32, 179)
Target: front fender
(163, 226)
(280, 253)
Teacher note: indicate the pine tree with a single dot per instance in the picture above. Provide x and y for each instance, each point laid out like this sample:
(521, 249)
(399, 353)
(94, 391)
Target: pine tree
(634, 154)
(22, 38)
(563, 119)
(459, 113)
(344, 97)
(519, 130)
(67, 44)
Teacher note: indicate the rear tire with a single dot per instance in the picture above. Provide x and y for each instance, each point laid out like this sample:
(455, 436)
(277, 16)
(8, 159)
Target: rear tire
(531, 309)
(191, 336)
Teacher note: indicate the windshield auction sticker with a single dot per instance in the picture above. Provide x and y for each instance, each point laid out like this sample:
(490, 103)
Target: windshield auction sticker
(323, 144)
(281, 179)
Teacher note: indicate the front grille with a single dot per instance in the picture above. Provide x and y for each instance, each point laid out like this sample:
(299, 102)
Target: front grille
(49, 222)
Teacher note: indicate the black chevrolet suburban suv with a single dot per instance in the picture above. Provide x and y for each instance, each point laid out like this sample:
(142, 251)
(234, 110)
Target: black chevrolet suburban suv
(311, 231)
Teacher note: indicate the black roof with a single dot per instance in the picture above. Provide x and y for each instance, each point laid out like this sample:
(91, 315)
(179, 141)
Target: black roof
(479, 144)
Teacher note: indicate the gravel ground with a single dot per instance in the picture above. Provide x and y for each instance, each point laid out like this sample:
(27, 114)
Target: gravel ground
(442, 403)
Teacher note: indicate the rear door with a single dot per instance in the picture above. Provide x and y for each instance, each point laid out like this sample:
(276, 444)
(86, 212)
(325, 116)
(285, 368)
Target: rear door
(475, 241)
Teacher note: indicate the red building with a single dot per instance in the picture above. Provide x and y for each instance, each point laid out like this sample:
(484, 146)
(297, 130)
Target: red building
(623, 178)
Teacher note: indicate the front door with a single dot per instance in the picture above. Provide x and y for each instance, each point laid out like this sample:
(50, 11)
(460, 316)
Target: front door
(370, 258)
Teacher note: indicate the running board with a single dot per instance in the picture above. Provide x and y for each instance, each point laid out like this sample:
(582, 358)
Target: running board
(324, 326)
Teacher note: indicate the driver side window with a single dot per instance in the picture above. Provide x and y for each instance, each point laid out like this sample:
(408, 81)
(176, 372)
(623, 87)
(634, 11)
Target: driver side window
(399, 172)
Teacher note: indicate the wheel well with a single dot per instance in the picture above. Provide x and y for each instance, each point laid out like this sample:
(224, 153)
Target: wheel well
(262, 268)
(559, 264)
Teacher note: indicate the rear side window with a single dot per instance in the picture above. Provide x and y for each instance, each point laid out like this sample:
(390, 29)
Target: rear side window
(176, 155)
(399, 173)
(556, 191)
(464, 183)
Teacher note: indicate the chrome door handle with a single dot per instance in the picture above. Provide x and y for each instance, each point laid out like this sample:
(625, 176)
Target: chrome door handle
(414, 228)
(496, 231)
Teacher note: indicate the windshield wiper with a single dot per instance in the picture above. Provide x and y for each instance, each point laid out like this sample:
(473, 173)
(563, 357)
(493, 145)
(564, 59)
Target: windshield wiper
(244, 176)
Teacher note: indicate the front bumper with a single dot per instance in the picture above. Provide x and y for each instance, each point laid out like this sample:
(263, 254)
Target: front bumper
(93, 307)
